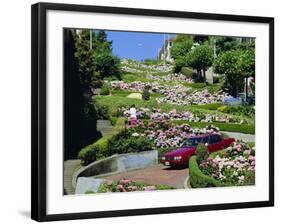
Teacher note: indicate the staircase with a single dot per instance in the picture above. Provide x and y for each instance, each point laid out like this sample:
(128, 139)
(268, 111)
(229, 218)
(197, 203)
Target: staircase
(104, 126)
(69, 167)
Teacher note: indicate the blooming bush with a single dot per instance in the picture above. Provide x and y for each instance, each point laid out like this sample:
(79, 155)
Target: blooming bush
(235, 167)
(198, 97)
(178, 77)
(202, 152)
(165, 134)
(129, 144)
(138, 86)
(127, 185)
(125, 63)
(156, 114)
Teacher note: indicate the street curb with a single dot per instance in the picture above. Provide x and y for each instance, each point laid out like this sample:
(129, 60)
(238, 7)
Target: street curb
(185, 185)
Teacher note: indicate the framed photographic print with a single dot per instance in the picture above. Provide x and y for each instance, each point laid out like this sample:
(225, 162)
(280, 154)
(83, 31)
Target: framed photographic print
(139, 111)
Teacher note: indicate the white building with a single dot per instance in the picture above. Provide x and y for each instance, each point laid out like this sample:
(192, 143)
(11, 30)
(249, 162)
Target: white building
(164, 53)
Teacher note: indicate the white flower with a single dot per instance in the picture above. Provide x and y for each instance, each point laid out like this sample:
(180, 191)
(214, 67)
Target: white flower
(135, 134)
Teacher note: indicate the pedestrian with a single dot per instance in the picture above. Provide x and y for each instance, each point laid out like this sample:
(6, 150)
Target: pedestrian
(133, 115)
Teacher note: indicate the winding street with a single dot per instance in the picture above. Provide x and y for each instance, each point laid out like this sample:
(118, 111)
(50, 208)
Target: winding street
(240, 136)
(158, 174)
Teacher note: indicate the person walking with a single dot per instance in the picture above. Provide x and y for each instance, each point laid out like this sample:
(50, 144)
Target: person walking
(133, 115)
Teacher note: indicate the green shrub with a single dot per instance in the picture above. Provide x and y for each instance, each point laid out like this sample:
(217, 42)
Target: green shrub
(123, 144)
(145, 93)
(188, 72)
(201, 152)
(248, 111)
(200, 180)
(150, 62)
(113, 120)
(102, 111)
(87, 155)
(99, 149)
(105, 90)
(249, 178)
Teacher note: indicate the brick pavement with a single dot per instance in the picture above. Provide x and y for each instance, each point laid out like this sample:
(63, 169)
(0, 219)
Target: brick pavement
(158, 174)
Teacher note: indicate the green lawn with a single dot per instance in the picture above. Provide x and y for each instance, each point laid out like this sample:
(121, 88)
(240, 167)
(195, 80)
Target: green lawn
(242, 128)
(201, 86)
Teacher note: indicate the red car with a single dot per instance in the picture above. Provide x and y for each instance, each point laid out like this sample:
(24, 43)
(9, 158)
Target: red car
(180, 156)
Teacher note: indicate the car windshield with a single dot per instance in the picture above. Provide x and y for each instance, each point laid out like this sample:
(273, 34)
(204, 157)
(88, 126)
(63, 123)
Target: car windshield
(192, 141)
(195, 141)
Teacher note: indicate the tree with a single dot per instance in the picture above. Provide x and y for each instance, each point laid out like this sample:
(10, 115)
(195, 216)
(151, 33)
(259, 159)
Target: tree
(181, 47)
(248, 67)
(80, 118)
(224, 44)
(200, 39)
(95, 58)
(89, 77)
(200, 58)
(235, 65)
(107, 64)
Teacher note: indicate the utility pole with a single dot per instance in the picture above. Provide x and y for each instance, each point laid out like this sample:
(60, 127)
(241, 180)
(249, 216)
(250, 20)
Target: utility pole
(164, 51)
(215, 51)
(91, 39)
(159, 55)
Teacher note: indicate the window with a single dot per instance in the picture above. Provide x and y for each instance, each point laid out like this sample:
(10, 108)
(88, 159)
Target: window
(215, 139)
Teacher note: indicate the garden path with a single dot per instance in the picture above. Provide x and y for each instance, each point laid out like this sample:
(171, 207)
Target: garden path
(158, 174)
(240, 136)
(69, 167)
(104, 126)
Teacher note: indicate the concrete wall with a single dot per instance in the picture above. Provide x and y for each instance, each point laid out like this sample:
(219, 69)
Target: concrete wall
(117, 164)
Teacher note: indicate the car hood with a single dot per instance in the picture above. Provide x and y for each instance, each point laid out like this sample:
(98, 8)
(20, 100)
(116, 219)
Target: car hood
(180, 151)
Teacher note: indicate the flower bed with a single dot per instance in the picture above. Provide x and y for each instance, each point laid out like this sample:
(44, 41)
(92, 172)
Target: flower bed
(235, 166)
(146, 113)
(126, 185)
(197, 98)
(155, 87)
(198, 179)
(165, 134)
(172, 77)
(141, 66)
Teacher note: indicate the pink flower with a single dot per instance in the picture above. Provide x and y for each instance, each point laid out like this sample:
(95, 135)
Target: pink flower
(251, 158)
(121, 188)
(125, 181)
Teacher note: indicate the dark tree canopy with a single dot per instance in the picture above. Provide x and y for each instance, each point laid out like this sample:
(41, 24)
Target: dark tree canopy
(80, 117)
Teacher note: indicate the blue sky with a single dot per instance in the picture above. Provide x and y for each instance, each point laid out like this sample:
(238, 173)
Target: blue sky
(136, 45)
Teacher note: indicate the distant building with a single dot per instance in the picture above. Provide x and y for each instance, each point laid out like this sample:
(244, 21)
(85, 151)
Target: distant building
(164, 53)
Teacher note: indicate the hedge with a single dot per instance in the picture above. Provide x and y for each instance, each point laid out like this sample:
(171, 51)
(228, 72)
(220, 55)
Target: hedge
(187, 72)
(199, 179)
(99, 149)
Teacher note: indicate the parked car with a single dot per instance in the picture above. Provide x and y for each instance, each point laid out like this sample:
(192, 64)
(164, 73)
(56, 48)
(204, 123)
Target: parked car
(180, 156)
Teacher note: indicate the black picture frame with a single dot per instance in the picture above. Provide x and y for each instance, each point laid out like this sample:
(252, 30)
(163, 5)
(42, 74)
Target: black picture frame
(39, 122)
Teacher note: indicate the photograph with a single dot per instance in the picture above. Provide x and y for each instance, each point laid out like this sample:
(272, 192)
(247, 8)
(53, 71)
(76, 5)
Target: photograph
(151, 111)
